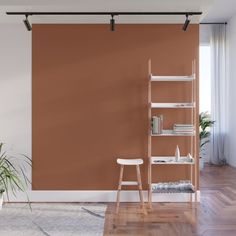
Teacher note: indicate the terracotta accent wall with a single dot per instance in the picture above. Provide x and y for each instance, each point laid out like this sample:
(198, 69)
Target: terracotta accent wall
(90, 100)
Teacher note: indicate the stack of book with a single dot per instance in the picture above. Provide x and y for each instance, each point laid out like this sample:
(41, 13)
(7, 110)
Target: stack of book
(183, 129)
(157, 124)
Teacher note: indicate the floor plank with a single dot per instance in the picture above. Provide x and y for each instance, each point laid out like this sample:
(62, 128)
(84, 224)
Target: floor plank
(214, 216)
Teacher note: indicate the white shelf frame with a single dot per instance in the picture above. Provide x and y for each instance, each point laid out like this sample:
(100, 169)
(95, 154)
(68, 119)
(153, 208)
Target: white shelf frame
(192, 106)
(167, 132)
(173, 105)
(182, 78)
(170, 160)
(166, 191)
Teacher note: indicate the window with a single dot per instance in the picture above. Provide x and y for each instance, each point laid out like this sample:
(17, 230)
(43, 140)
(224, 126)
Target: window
(205, 79)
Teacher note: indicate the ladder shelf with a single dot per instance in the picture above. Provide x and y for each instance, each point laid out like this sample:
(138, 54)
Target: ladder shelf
(190, 160)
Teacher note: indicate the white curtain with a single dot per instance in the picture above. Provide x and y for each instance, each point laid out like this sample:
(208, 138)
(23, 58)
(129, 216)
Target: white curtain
(219, 94)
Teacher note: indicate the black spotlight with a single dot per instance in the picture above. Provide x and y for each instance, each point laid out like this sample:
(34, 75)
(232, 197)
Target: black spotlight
(27, 24)
(186, 23)
(112, 23)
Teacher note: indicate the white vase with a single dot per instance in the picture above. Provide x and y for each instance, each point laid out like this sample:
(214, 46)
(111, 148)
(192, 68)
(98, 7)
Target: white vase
(201, 163)
(177, 154)
(1, 201)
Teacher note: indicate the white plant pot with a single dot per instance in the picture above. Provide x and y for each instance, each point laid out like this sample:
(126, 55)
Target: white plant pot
(1, 201)
(201, 164)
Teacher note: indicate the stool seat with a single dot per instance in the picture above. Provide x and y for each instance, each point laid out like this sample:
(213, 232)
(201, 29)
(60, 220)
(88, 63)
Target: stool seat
(130, 161)
(130, 183)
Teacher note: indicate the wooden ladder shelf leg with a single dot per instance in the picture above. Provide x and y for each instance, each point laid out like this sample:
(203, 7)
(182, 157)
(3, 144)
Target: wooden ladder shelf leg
(140, 189)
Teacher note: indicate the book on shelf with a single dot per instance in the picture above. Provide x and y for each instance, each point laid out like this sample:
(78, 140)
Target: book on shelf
(157, 124)
(183, 125)
(183, 128)
(183, 133)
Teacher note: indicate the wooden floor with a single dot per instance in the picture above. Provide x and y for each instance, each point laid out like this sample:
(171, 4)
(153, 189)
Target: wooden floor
(214, 216)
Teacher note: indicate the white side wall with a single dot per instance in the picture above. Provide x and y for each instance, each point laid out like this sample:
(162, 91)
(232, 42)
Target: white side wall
(231, 64)
(205, 34)
(15, 88)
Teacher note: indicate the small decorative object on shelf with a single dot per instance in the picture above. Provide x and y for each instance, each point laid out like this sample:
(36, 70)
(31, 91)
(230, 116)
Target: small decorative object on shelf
(189, 158)
(157, 124)
(177, 153)
(159, 161)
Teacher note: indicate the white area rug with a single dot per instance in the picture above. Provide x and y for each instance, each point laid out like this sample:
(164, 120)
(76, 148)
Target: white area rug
(52, 219)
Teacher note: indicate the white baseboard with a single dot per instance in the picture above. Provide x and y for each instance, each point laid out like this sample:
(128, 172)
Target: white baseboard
(100, 196)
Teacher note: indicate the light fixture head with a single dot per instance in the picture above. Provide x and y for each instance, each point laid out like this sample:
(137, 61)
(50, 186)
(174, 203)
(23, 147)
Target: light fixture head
(112, 23)
(27, 24)
(186, 23)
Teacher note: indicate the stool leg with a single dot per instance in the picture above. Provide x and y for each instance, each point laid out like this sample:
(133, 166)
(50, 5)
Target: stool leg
(119, 188)
(140, 187)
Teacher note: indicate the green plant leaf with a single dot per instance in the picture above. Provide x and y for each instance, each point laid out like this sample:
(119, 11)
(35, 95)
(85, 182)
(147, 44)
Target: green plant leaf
(204, 123)
(11, 173)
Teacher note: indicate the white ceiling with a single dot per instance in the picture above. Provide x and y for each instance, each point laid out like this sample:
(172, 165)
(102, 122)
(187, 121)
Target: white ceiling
(213, 10)
(221, 11)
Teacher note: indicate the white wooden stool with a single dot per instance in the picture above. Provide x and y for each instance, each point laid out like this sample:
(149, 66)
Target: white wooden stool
(130, 162)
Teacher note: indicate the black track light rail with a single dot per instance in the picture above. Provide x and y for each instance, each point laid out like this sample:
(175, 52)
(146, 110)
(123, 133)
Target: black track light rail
(112, 14)
(104, 13)
(214, 23)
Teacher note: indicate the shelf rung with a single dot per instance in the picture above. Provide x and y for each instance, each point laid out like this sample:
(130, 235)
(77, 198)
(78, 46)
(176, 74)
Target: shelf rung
(159, 78)
(172, 133)
(173, 105)
(173, 191)
(172, 188)
(170, 160)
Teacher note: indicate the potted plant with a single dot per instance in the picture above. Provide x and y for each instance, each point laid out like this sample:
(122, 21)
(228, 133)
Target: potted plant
(12, 174)
(205, 123)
